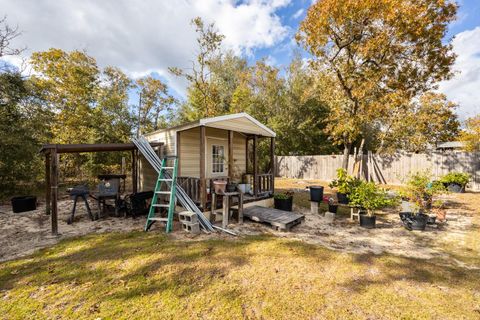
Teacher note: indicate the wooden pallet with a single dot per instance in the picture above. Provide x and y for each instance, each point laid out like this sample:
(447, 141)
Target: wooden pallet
(279, 219)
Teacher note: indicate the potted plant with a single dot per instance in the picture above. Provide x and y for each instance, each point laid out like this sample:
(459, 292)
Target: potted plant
(369, 197)
(219, 186)
(344, 184)
(420, 190)
(455, 181)
(283, 200)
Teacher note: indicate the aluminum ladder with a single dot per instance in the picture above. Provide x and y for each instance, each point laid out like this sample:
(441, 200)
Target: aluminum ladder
(170, 183)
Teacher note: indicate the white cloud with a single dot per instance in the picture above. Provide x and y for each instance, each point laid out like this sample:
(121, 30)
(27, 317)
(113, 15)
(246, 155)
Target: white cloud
(464, 88)
(143, 36)
(297, 14)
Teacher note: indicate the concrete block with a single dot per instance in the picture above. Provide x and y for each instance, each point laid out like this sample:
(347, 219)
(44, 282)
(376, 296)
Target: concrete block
(188, 216)
(191, 227)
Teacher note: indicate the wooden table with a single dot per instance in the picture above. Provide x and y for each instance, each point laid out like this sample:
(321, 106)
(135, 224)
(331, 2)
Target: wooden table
(226, 206)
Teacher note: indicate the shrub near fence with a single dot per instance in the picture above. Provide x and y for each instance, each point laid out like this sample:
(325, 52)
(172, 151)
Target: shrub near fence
(381, 168)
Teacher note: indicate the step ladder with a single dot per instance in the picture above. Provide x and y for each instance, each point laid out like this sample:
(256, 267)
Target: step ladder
(168, 179)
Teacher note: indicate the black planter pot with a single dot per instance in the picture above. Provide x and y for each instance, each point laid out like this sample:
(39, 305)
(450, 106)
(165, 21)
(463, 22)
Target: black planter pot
(25, 203)
(367, 221)
(231, 187)
(332, 208)
(316, 193)
(283, 204)
(415, 222)
(455, 188)
(342, 198)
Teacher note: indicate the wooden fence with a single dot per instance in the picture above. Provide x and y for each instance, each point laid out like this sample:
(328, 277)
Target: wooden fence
(384, 169)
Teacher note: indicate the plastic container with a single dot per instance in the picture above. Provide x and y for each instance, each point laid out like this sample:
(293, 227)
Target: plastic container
(24, 203)
(316, 193)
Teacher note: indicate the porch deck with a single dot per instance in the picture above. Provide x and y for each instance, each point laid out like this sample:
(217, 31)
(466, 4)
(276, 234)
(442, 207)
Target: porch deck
(281, 220)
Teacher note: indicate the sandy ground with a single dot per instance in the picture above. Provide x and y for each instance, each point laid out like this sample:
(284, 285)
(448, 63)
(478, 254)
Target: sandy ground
(24, 233)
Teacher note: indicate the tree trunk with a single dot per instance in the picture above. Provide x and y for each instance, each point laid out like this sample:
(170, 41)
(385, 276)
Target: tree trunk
(346, 154)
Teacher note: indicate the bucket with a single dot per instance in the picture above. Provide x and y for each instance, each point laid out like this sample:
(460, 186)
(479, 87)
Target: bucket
(316, 193)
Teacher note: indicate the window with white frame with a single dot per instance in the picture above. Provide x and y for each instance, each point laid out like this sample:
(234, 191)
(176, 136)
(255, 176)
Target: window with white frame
(218, 157)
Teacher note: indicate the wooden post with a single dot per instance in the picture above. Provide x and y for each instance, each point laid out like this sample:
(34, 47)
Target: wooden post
(272, 163)
(246, 155)
(255, 166)
(230, 154)
(177, 143)
(134, 171)
(240, 208)
(226, 210)
(203, 183)
(48, 190)
(54, 190)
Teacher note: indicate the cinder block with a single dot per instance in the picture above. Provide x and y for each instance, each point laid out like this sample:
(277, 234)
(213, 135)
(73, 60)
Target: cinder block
(188, 216)
(191, 227)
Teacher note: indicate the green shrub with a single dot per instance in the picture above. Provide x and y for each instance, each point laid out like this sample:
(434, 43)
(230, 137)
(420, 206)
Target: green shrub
(420, 189)
(283, 195)
(460, 178)
(370, 197)
(344, 182)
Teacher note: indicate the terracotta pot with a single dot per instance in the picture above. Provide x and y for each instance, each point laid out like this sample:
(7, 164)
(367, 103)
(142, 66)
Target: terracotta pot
(219, 186)
(441, 215)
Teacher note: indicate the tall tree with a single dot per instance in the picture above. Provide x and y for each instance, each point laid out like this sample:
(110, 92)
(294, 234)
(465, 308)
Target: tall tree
(155, 103)
(204, 100)
(471, 134)
(373, 55)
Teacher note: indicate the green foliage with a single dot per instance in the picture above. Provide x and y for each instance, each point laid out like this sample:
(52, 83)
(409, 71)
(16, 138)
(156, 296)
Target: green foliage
(369, 196)
(283, 195)
(420, 189)
(460, 178)
(345, 183)
(22, 127)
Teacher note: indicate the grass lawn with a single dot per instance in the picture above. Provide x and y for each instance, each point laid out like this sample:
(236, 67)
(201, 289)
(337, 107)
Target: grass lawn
(149, 276)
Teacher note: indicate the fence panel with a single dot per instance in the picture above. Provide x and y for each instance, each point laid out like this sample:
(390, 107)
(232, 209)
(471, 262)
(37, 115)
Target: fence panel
(386, 169)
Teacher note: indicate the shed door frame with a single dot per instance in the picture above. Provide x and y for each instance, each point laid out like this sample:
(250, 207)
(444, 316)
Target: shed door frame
(211, 141)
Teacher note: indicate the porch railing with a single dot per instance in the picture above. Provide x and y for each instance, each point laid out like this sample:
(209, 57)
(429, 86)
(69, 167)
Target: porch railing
(265, 183)
(191, 186)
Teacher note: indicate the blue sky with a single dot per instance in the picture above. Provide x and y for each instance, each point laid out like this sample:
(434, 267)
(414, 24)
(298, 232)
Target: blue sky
(147, 37)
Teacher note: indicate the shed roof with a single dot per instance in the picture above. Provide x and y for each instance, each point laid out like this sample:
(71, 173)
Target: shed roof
(450, 145)
(239, 122)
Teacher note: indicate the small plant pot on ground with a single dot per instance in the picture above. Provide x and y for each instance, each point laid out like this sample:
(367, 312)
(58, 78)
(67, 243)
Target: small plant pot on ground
(316, 193)
(23, 203)
(333, 208)
(342, 198)
(284, 204)
(455, 187)
(219, 186)
(367, 221)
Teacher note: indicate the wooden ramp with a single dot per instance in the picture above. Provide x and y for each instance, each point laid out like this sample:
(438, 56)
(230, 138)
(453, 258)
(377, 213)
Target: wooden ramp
(279, 219)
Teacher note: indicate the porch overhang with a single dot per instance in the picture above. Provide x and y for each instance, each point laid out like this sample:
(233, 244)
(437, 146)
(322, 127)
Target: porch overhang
(239, 122)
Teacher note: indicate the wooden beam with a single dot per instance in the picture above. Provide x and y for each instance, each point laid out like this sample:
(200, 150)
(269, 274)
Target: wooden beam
(177, 144)
(230, 154)
(54, 190)
(255, 165)
(48, 190)
(246, 154)
(203, 182)
(134, 171)
(272, 163)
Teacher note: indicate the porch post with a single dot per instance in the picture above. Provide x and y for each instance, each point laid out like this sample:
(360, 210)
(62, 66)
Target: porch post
(54, 190)
(272, 163)
(255, 166)
(177, 143)
(48, 190)
(230, 154)
(134, 171)
(203, 183)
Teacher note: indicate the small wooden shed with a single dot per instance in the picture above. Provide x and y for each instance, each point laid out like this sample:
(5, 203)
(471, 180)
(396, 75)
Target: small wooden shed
(224, 147)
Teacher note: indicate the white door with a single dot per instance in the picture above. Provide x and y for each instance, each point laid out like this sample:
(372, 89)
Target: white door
(217, 157)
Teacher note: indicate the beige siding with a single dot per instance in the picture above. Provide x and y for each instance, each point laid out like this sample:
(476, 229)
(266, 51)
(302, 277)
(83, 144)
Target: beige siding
(239, 155)
(190, 153)
(147, 175)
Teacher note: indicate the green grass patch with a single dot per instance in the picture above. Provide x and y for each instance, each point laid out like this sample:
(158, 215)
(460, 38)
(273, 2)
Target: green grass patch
(147, 275)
